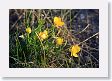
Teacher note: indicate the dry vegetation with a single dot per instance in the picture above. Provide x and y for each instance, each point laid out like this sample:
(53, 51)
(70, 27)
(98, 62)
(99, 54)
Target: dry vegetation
(81, 27)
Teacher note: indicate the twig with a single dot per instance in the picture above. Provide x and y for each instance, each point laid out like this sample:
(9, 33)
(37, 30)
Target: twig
(74, 16)
(83, 29)
(16, 21)
(14, 59)
(90, 55)
(65, 14)
(89, 38)
(46, 14)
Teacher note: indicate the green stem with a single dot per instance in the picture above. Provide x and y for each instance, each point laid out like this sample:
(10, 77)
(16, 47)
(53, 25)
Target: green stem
(42, 49)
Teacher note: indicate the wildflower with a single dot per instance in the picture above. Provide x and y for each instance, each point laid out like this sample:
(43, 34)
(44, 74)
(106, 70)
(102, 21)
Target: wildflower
(28, 30)
(59, 41)
(58, 22)
(74, 50)
(43, 35)
(22, 36)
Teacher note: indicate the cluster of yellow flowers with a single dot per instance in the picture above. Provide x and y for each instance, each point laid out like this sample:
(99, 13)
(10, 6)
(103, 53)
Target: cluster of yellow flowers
(59, 40)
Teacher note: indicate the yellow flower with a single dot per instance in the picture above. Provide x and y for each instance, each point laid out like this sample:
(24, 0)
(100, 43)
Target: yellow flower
(74, 50)
(28, 30)
(59, 41)
(43, 35)
(58, 22)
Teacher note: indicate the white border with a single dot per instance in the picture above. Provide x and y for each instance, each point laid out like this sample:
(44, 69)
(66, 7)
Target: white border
(5, 71)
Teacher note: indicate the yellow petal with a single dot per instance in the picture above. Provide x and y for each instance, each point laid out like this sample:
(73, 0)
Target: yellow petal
(43, 35)
(77, 48)
(57, 19)
(28, 30)
(74, 50)
(59, 41)
(46, 32)
(75, 55)
(62, 23)
(58, 22)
